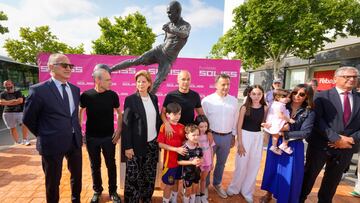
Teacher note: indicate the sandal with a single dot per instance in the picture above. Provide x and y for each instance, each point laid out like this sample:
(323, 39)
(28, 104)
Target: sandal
(266, 198)
(275, 150)
(286, 149)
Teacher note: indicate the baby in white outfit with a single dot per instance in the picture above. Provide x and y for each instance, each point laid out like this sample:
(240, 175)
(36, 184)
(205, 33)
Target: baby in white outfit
(276, 118)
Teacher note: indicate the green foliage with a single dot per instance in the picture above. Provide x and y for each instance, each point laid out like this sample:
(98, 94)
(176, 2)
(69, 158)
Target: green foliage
(127, 36)
(34, 42)
(2, 18)
(274, 29)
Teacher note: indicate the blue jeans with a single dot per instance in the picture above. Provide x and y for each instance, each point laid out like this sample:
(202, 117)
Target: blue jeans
(221, 150)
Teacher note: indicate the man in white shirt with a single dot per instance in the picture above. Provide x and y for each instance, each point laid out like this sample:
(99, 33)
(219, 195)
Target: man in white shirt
(222, 111)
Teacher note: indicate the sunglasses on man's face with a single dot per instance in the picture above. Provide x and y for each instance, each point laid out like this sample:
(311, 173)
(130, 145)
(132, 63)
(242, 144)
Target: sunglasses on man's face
(301, 94)
(65, 65)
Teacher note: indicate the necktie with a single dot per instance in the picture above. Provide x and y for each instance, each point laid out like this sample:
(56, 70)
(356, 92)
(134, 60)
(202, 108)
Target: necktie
(66, 98)
(347, 108)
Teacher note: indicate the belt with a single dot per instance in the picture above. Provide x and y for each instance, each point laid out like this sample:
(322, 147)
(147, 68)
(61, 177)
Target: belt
(221, 134)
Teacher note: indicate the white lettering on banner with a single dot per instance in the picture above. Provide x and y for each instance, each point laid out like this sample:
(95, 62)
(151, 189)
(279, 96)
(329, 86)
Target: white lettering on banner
(128, 84)
(130, 71)
(213, 73)
(326, 81)
(174, 71)
(153, 71)
(85, 83)
(44, 69)
(171, 85)
(76, 69)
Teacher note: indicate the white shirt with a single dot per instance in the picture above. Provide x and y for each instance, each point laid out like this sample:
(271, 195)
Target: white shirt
(150, 118)
(341, 95)
(68, 90)
(222, 112)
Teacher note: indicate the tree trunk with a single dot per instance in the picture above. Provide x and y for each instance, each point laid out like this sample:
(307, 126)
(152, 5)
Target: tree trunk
(276, 69)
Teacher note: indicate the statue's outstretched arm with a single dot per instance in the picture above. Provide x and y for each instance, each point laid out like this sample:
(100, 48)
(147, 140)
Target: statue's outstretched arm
(181, 31)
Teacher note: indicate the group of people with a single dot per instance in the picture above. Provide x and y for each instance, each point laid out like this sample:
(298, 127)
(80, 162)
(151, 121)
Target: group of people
(54, 111)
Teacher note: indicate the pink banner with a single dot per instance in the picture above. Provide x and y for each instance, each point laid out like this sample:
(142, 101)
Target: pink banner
(203, 72)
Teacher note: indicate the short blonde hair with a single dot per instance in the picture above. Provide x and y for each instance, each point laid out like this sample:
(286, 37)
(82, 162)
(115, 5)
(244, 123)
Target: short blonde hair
(53, 57)
(146, 74)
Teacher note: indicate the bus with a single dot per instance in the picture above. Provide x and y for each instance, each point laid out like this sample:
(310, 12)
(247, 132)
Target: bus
(23, 75)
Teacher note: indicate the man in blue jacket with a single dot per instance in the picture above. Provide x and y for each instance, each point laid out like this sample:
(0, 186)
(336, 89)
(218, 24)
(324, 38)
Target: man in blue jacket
(51, 114)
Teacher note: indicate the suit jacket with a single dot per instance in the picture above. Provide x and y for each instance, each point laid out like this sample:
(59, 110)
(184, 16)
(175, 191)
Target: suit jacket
(134, 129)
(45, 117)
(329, 120)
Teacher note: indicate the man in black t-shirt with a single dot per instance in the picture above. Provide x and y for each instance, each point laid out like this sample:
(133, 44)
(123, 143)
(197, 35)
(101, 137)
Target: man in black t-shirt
(188, 99)
(13, 111)
(100, 104)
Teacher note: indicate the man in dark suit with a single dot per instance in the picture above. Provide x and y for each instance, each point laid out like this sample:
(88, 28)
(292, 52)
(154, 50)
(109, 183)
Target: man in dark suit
(51, 114)
(335, 136)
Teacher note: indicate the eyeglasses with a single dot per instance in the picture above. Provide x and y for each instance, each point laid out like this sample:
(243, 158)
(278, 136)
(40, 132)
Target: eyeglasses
(348, 77)
(65, 65)
(282, 96)
(301, 94)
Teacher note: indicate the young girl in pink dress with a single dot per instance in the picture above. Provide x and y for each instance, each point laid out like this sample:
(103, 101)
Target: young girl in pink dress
(204, 142)
(276, 118)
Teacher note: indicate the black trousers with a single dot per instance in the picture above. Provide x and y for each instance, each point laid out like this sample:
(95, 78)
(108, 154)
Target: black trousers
(336, 161)
(140, 175)
(95, 146)
(52, 167)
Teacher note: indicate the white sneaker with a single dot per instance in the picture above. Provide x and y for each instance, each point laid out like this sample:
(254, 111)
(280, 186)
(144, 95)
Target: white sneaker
(204, 199)
(26, 142)
(249, 200)
(229, 193)
(197, 199)
(221, 192)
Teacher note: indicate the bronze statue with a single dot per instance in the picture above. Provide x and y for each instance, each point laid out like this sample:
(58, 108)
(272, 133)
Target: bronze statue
(176, 34)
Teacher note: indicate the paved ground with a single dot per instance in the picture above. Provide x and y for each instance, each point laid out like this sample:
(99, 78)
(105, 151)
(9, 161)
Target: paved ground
(5, 138)
(22, 180)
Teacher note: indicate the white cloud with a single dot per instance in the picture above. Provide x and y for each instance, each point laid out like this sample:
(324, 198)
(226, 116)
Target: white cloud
(69, 23)
(200, 15)
(130, 10)
(75, 21)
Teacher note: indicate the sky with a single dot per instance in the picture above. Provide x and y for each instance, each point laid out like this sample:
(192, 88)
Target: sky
(75, 21)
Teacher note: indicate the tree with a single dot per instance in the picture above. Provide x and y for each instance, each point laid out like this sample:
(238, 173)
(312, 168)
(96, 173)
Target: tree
(34, 42)
(127, 36)
(275, 29)
(2, 18)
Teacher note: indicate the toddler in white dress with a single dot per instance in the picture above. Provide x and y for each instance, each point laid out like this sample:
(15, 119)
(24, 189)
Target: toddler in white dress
(276, 118)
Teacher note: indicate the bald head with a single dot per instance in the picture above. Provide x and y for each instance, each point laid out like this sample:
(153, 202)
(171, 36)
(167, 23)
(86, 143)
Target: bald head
(8, 85)
(175, 5)
(184, 73)
(174, 11)
(184, 81)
